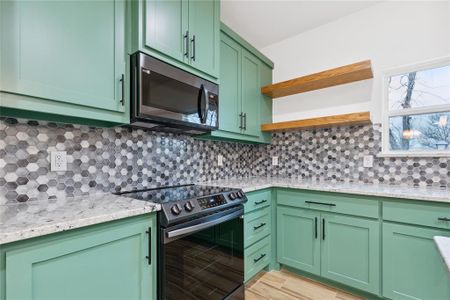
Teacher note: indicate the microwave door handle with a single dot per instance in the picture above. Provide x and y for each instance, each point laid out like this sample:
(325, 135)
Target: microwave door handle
(203, 104)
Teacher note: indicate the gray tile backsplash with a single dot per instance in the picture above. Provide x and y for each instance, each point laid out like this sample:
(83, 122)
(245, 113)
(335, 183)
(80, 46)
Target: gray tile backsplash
(106, 159)
(337, 154)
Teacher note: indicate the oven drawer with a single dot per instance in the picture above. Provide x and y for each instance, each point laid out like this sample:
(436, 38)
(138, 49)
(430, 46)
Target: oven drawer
(257, 225)
(257, 257)
(257, 199)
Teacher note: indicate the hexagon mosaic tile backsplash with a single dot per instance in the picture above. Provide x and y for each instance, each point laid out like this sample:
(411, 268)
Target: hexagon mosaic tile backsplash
(108, 159)
(105, 159)
(336, 154)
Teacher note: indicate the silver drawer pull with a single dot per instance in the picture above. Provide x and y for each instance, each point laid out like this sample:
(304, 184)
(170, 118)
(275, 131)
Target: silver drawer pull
(445, 219)
(260, 202)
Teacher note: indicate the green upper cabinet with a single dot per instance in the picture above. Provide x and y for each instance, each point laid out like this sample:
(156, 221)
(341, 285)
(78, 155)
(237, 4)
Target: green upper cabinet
(250, 99)
(230, 86)
(412, 266)
(63, 59)
(242, 107)
(204, 31)
(166, 27)
(106, 261)
(180, 32)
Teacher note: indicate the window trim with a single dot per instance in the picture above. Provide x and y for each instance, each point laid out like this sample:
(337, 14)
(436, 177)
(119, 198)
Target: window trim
(385, 113)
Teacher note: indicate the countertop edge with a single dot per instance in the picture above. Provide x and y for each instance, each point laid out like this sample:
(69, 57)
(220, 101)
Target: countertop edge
(393, 195)
(28, 233)
(443, 245)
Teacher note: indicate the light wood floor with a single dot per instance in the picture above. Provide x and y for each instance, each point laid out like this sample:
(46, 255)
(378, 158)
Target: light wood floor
(284, 285)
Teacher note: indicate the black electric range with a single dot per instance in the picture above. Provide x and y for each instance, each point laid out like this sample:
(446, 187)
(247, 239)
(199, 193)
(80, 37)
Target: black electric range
(200, 241)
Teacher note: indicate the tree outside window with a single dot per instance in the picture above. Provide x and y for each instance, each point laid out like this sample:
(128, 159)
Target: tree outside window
(417, 113)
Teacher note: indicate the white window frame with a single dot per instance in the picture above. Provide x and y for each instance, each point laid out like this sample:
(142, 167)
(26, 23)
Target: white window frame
(385, 152)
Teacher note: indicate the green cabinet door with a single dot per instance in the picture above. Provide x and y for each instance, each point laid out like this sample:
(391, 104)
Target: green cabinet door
(166, 27)
(412, 266)
(230, 85)
(102, 262)
(204, 30)
(250, 93)
(265, 102)
(65, 51)
(298, 240)
(350, 251)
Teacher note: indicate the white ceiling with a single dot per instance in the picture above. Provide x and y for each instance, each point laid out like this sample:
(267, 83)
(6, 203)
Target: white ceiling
(265, 22)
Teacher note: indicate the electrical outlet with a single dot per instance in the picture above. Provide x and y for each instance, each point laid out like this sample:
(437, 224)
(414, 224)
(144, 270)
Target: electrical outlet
(58, 161)
(219, 160)
(368, 161)
(274, 160)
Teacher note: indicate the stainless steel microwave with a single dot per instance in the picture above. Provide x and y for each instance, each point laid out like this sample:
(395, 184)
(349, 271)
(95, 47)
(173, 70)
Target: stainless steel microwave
(165, 98)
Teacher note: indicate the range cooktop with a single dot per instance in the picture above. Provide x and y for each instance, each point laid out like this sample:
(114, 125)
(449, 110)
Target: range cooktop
(186, 202)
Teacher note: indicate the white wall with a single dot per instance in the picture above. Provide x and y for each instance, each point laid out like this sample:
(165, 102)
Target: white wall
(391, 34)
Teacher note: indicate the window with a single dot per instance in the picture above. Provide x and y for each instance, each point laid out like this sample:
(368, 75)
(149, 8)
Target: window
(417, 110)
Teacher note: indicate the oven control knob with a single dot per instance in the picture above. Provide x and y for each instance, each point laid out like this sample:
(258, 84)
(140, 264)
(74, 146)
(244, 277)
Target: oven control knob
(240, 194)
(176, 209)
(232, 196)
(189, 206)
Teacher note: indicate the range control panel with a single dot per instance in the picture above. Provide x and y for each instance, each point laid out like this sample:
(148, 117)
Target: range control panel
(212, 201)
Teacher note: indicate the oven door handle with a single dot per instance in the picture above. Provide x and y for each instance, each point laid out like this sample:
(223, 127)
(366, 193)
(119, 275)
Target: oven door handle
(201, 226)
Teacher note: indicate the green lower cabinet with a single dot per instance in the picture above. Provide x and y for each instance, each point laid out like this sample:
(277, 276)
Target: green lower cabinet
(257, 257)
(412, 266)
(350, 251)
(257, 225)
(298, 239)
(258, 238)
(106, 261)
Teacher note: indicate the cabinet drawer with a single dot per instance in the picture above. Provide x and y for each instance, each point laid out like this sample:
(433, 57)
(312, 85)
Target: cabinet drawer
(257, 225)
(331, 202)
(426, 214)
(257, 199)
(257, 257)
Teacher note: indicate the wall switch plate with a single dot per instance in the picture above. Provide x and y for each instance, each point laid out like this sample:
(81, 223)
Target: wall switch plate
(58, 161)
(368, 161)
(220, 160)
(274, 160)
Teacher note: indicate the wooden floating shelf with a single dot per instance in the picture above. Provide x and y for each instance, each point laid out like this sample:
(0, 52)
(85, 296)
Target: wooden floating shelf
(329, 121)
(346, 74)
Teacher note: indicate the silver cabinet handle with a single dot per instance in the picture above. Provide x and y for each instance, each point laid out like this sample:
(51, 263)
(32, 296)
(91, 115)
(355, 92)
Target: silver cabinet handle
(241, 126)
(245, 121)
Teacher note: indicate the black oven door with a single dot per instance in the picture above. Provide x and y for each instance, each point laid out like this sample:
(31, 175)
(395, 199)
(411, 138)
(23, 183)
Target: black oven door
(203, 259)
(171, 95)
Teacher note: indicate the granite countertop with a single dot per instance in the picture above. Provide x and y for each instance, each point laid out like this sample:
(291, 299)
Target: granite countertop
(381, 190)
(21, 221)
(443, 245)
